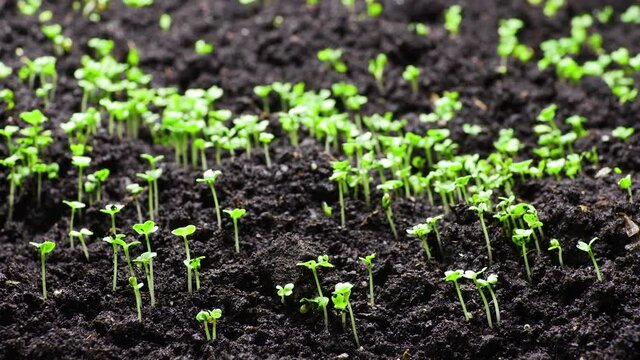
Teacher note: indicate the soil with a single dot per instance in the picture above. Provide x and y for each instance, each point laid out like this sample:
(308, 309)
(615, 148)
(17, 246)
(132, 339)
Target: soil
(563, 313)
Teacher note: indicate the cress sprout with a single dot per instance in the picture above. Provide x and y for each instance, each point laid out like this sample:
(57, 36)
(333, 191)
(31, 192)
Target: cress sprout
(521, 237)
(554, 244)
(626, 184)
(147, 228)
(411, 74)
(44, 248)
(376, 68)
(133, 281)
(145, 260)
(332, 57)
(74, 205)
(210, 177)
(209, 317)
(323, 261)
(368, 261)
(81, 162)
(135, 190)
(341, 302)
(266, 138)
(452, 19)
(236, 214)
(453, 276)
(184, 232)
(203, 48)
(285, 291)
(112, 210)
(587, 248)
(480, 284)
(389, 186)
(81, 236)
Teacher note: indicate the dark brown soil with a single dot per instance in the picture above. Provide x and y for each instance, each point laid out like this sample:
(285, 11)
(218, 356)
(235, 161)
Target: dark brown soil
(564, 313)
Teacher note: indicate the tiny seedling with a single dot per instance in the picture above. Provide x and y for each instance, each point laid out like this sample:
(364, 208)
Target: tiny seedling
(554, 244)
(112, 210)
(147, 228)
(341, 302)
(521, 237)
(136, 290)
(388, 187)
(210, 177)
(333, 58)
(146, 260)
(323, 261)
(285, 291)
(622, 133)
(236, 214)
(452, 19)
(376, 68)
(135, 191)
(492, 280)
(165, 22)
(209, 317)
(340, 174)
(114, 244)
(184, 232)
(81, 162)
(44, 248)
(587, 248)
(327, 210)
(266, 138)
(411, 74)
(453, 276)
(368, 261)
(479, 283)
(74, 205)
(118, 240)
(421, 231)
(194, 264)
(480, 208)
(320, 301)
(626, 184)
(81, 236)
(203, 47)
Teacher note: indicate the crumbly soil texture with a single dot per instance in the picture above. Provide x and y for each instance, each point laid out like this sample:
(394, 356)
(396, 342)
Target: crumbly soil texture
(563, 313)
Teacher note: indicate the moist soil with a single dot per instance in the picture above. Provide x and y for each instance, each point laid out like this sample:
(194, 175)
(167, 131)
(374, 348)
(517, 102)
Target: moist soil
(562, 313)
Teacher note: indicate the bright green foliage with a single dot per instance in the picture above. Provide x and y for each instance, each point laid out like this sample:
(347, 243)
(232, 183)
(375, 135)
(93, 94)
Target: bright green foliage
(420, 29)
(376, 68)
(626, 184)
(631, 15)
(445, 108)
(481, 205)
(388, 187)
(266, 138)
(165, 22)
(118, 240)
(452, 19)
(340, 173)
(147, 228)
(236, 214)
(521, 237)
(81, 236)
(74, 205)
(623, 133)
(453, 276)
(587, 248)
(323, 261)
(209, 317)
(285, 291)
(184, 232)
(146, 261)
(554, 244)
(44, 248)
(326, 209)
(411, 74)
(421, 231)
(341, 302)
(138, 3)
(210, 177)
(263, 91)
(480, 284)
(29, 7)
(5, 71)
(203, 47)
(333, 58)
(61, 43)
(112, 210)
(133, 281)
(368, 261)
(508, 44)
(194, 265)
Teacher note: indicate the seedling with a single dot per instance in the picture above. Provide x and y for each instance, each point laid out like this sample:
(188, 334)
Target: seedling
(263, 91)
(114, 244)
(623, 133)
(135, 191)
(146, 261)
(453, 276)
(340, 173)
(194, 264)
(421, 231)
(266, 139)
(80, 162)
(376, 68)
(323, 261)
(203, 47)
(136, 290)
(153, 177)
(481, 200)
(387, 187)
(433, 221)
(625, 184)
(146, 229)
(285, 291)
(411, 74)
(184, 232)
(332, 57)
(327, 210)
(368, 261)
(554, 244)
(125, 248)
(209, 317)
(587, 248)
(210, 177)
(44, 248)
(521, 237)
(74, 205)
(341, 302)
(491, 280)
(452, 19)
(80, 235)
(112, 210)
(473, 276)
(165, 22)
(236, 214)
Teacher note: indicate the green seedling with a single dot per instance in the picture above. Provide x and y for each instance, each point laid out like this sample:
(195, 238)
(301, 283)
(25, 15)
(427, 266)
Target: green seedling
(323, 261)
(135, 191)
(341, 302)
(194, 265)
(210, 177)
(491, 281)
(340, 173)
(327, 210)
(452, 19)
(453, 276)
(236, 214)
(209, 317)
(203, 47)
(74, 205)
(146, 261)
(480, 284)
(5, 71)
(146, 229)
(136, 290)
(266, 139)
(81, 162)
(626, 184)
(184, 232)
(118, 240)
(44, 248)
(554, 244)
(112, 210)
(376, 68)
(421, 231)
(320, 301)
(285, 291)
(138, 3)
(81, 236)
(388, 187)
(263, 91)
(165, 22)
(521, 237)
(622, 133)
(368, 261)
(332, 57)
(481, 201)
(111, 240)
(411, 74)
(153, 176)
(587, 248)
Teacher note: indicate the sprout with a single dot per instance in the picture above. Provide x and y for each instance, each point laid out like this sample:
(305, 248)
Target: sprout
(74, 205)
(165, 22)
(14, 180)
(263, 91)
(421, 231)
(194, 264)
(80, 162)
(491, 280)
(203, 47)
(521, 237)
(285, 291)
(135, 191)
(266, 139)
(340, 172)
(125, 248)
(323, 261)
(80, 235)
(154, 175)
(111, 240)
(452, 19)
(5, 71)
(411, 74)
(100, 177)
(368, 261)
(341, 302)
(184, 232)
(387, 187)
(326, 209)
(554, 244)
(136, 290)
(210, 177)
(481, 201)
(147, 228)
(320, 301)
(44, 248)
(623, 133)
(625, 184)
(473, 276)
(146, 261)
(376, 68)
(138, 3)
(236, 214)
(587, 248)
(453, 276)
(209, 317)
(112, 210)
(332, 57)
